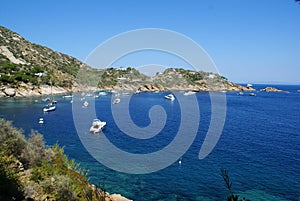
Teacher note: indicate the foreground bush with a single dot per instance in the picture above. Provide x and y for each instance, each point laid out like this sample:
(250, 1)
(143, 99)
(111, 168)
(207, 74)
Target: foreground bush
(30, 171)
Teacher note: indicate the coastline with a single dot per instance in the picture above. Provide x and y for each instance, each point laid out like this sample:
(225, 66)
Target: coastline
(45, 90)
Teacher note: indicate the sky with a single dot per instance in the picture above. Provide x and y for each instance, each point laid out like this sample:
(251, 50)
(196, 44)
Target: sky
(255, 41)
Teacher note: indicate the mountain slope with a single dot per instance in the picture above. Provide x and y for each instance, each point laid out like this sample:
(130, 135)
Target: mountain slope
(22, 61)
(28, 69)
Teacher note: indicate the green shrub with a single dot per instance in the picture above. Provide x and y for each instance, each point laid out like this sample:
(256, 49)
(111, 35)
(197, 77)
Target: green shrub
(35, 151)
(10, 187)
(12, 140)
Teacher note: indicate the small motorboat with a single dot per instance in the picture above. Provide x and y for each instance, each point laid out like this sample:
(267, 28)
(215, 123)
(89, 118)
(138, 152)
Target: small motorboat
(170, 97)
(85, 104)
(102, 93)
(189, 93)
(252, 94)
(97, 126)
(68, 96)
(50, 107)
(116, 101)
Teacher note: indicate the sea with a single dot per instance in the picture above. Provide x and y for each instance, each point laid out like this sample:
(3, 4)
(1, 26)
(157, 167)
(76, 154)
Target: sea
(259, 143)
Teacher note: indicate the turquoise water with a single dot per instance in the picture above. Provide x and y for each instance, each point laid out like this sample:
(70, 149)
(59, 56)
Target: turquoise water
(259, 146)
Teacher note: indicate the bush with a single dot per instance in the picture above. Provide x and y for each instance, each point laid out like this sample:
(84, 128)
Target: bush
(60, 186)
(12, 140)
(52, 174)
(35, 151)
(10, 188)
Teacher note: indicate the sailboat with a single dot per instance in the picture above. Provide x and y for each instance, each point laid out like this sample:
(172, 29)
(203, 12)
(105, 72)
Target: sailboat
(51, 106)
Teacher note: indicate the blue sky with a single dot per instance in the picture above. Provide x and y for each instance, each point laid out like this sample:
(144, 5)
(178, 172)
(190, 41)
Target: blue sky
(249, 41)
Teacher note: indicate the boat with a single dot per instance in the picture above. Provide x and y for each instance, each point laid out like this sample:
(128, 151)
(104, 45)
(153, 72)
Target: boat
(116, 101)
(41, 120)
(68, 96)
(102, 93)
(97, 126)
(170, 97)
(249, 85)
(189, 93)
(252, 94)
(85, 104)
(50, 107)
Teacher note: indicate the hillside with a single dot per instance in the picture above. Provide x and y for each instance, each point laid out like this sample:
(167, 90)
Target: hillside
(28, 69)
(30, 66)
(23, 59)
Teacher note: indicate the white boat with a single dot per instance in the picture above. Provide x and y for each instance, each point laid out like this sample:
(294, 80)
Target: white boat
(68, 96)
(252, 94)
(49, 108)
(189, 93)
(41, 121)
(102, 93)
(85, 104)
(170, 97)
(249, 85)
(97, 126)
(116, 101)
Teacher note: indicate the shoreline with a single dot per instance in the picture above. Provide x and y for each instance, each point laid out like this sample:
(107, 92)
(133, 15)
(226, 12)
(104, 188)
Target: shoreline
(45, 90)
(40, 92)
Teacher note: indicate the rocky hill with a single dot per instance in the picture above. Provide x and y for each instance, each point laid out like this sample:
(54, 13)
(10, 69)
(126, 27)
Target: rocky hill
(172, 79)
(28, 69)
(29, 66)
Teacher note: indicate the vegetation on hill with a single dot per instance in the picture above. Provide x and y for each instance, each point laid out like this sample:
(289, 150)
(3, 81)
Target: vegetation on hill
(20, 60)
(112, 76)
(29, 170)
(14, 75)
(181, 77)
(24, 65)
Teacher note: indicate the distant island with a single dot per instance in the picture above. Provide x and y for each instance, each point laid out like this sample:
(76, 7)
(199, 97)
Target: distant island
(28, 69)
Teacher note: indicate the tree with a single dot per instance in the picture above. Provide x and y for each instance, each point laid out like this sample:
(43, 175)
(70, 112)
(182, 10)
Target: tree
(228, 183)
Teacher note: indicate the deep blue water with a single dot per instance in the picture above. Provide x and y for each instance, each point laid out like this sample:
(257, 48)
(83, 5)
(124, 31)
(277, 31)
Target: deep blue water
(259, 145)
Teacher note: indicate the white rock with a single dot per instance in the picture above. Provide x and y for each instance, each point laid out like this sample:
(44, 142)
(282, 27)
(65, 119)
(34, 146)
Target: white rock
(118, 197)
(10, 92)
(2, 94)
(5, 51)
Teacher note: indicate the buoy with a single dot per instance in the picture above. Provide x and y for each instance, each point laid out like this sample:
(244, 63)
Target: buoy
(179, 162)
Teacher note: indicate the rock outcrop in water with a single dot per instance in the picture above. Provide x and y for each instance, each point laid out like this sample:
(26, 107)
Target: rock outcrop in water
(271, 89)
